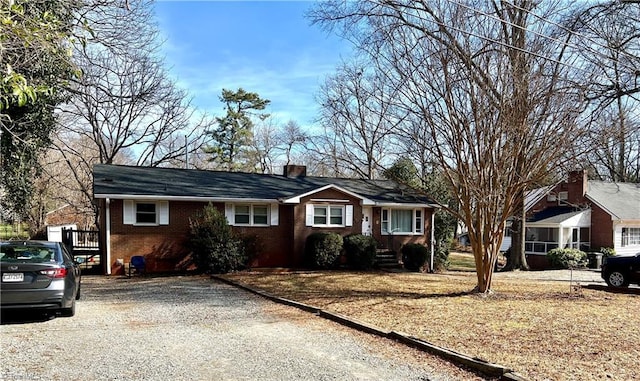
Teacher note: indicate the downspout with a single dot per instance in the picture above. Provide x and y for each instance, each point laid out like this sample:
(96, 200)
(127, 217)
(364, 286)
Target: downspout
(107, 229)
(433, 219)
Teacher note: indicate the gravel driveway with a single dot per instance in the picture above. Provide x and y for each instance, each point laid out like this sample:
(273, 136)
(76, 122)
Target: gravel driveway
(194, 328)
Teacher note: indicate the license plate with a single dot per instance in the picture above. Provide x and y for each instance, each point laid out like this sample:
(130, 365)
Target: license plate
(13, 277)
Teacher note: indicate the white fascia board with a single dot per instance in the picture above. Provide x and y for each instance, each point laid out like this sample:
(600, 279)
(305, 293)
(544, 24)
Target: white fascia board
(542, 224)
(186, 198)
(296, 199)
(406, 205)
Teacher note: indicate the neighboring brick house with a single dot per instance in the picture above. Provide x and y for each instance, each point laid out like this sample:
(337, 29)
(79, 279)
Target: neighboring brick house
(70, 215)
(583, 214)
(146, 211)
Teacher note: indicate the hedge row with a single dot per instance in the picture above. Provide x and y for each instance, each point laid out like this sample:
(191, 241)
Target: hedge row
(324, 251)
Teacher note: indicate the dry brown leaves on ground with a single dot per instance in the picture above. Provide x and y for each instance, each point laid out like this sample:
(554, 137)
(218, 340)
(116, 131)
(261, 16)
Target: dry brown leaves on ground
(541, 329)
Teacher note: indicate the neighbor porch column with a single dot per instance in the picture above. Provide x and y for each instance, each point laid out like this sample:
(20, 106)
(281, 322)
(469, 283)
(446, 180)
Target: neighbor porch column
(433, 219)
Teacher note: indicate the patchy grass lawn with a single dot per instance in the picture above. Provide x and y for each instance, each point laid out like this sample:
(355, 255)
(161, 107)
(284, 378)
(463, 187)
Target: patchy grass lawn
(461, 262)
(541, 329)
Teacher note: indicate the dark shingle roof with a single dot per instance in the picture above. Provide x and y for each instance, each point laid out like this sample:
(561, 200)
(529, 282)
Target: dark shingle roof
(117, 180)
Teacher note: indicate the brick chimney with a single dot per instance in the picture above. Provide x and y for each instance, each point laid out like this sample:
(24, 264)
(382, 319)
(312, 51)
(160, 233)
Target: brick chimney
(577, 184)
(294, 171)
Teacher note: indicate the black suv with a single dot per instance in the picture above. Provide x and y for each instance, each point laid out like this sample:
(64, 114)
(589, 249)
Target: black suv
(619, 271)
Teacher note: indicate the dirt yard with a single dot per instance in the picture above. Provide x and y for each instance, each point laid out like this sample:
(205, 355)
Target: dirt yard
(539, 324)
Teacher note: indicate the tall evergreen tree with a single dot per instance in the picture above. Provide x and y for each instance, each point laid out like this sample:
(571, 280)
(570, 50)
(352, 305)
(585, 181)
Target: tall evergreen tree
(234, 130)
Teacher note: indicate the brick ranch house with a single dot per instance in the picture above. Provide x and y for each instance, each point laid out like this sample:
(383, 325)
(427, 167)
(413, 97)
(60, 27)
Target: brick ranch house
(145, 211)
(582, 214)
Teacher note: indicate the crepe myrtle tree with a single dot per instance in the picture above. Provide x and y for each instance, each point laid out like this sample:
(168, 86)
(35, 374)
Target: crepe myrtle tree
(489, 92)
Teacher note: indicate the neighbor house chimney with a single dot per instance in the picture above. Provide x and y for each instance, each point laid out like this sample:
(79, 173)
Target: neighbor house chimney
(578, 184)
(293, 171)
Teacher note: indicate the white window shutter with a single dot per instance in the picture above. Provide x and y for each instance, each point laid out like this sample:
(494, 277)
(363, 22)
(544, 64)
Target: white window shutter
(309, 215)
(349, 215)
(228, 212)
(274, 214)
(164, 212)
(128, 212)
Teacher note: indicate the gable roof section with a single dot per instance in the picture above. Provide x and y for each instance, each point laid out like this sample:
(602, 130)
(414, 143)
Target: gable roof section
(116, 181)
(533, 196)
(560, 216)
(296, 199)
(620, 200)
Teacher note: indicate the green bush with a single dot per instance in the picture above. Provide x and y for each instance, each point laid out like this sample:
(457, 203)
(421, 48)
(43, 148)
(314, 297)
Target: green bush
(441, 256)
(360, 251)
(567, 258)
(414, 256)
(322, 250)
(607, 251)
(215, 249)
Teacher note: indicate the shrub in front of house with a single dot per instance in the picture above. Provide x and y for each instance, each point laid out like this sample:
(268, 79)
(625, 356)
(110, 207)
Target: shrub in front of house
(215, 249)
(360, 251)
(567, 258)
(441, 255)
(414, 256)
(322, 250)
(607, 251)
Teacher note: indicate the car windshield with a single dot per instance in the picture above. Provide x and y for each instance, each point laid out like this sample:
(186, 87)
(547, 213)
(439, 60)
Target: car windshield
(27, 253)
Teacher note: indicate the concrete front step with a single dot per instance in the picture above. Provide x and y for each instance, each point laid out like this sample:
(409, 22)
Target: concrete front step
(387, 260)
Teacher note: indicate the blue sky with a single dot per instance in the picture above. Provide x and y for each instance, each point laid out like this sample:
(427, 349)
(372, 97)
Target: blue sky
(267, 47)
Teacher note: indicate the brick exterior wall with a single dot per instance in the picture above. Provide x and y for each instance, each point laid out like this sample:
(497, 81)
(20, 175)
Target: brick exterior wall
(601, 228)
(395, 242)
(165, 247)
(575, 186)
(301, 231)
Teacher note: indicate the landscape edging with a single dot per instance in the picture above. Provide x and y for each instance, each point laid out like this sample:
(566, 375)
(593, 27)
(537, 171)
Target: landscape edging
(477, 364)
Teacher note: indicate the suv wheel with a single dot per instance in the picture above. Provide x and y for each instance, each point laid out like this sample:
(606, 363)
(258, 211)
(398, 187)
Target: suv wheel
(617, 279)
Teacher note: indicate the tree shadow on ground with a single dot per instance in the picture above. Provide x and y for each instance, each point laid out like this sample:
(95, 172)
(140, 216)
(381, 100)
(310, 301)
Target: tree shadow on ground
(613, 290)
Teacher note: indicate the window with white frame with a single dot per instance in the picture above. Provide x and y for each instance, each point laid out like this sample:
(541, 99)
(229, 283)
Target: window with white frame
(402, 221)
(328, 215)
(145, 212)
(630, 236)
(246, 214)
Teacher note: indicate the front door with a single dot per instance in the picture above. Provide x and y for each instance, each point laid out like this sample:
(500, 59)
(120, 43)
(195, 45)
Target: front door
(366, 221)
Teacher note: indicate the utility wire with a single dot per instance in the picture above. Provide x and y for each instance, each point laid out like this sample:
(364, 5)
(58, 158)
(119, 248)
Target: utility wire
(563, 27)
(633, 70)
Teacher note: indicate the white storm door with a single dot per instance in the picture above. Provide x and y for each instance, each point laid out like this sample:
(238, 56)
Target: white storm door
(367, 228)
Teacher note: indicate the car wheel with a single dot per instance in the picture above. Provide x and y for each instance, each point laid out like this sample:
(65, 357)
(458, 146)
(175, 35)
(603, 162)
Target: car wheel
(69, 312)
(78, 293)
(617, 279)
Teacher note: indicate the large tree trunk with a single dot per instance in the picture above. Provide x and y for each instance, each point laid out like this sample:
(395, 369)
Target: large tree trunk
(517, 260)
